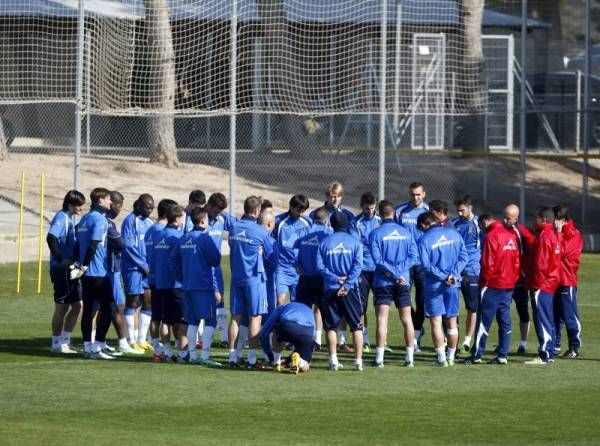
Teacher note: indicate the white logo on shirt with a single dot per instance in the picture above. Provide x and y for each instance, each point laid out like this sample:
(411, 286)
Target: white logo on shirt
(510, 246)
(314, 241)
(339, 249)
(161, 245)
(189, 244)
(241, 237)
(442, 241)
(395, 235)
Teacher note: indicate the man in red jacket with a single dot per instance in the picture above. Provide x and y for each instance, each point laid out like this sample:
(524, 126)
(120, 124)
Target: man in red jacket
(500, 269)
(543, 283)
(520, 293)
(565, 299)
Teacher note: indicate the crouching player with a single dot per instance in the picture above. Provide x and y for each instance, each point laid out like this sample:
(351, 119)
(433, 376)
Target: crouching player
(293, 323)
(192, 262)
(444, 257)
(394, 253)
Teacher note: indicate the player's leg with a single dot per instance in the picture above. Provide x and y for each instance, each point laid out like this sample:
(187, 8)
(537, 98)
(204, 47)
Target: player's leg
(208, 312)
(435, 310)
(256, 306)
(452, 305)
(487, 311)
(572, 321)
(471, 292)
(364, 287)
(521, 298)
(352, 309)
(381, 300)
(155, 323)
(145, 317)
(403, 303)
(328, 306)
(105, 299)
(543, 319)
(181, 324)
(418, 280)
(503, 317)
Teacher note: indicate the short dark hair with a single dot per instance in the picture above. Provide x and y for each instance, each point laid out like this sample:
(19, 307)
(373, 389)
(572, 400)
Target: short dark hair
(141, 200)
(561, 212)
(218, 200)
(299, 201)
(483, 218)
(465, 200)
(439, 206)
(73, 198)
(197, 215)
(173, 212)
(546, 213)
(197, 197)
(415, 184)
(163, 207)
(251, 204)
(426, 219)
(97, 193)
(321, 215)
(116, 196)
(386, 208)
(265, 204)
(367, 198)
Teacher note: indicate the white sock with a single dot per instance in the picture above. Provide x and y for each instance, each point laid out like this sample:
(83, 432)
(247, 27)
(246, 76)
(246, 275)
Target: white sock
(156, 345)
(145, 320)
(342, 337)
(93, 337)
(233, 355)
(451, 353)
(417, 336)
(410, 354)
(192, 335)
(207, 338)
(123, 344)
(251, 356)
(318, 336)
(56, 341)
(379, 352)
(366, 336)
(241, 340)
(201, 329)
(129, 324)
(467, 341)
(222, 324)
(87, 347)
(358, 361)
(303, 365)
(66, 337)
(441, 354)
(333, 359)
(523, 344)
(276, 358)
(96, 346)
(135, 334)
(167, 350)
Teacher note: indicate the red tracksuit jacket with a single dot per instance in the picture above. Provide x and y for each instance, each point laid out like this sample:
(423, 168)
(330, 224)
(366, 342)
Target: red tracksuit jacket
(545, 260)
(570, 256)
(526, 239)
(500, 258)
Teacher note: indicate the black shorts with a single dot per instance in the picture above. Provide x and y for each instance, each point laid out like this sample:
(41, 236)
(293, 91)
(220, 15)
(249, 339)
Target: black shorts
(157, 304)
(521, 298)
(399, 294)
(309, 290)
(334, 309)
(471, 292)
(65, 291)
(173, 306)
(365, 285)
(300, 336)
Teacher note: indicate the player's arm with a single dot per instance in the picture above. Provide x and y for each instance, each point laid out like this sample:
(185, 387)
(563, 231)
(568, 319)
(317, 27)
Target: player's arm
(356, 269)
(428, 266)
(132, 252)
(266, 330)
(463, 258)
(323, 270)
(386, 268)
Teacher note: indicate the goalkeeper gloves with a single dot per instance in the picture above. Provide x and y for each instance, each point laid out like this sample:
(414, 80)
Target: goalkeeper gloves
(77, 270)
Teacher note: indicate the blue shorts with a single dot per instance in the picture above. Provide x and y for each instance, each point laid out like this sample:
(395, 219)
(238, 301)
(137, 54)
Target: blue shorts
(250, 300)
(398, 294)
(300, 336)
(66, 291)
(286, 282)
(365, 285)
(117, 287)
(309, 290)
(134, 282)
(173, 306)
(334, 309)
(443, 303)
(200, 305)
(471, 292)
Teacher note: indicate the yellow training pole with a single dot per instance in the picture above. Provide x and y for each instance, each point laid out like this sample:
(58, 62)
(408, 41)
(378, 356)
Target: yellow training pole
(20, 236)
(40, 243)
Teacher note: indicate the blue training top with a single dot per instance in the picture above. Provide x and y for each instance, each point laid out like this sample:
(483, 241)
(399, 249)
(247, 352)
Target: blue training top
(340, 254)
(362, 227)
(292, 312)
(472, 236)
(149, 242)
(287, 230)
(308, 244)
(165, 242)
(246, 240)
(94, 227)
(134, 229)
(63, 228)
(192, 261)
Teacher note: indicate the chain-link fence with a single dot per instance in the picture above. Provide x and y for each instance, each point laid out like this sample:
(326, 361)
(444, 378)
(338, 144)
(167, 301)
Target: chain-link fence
(375, 94)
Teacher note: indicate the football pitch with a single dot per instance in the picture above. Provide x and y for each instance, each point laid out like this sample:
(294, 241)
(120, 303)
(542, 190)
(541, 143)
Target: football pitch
(50, 399)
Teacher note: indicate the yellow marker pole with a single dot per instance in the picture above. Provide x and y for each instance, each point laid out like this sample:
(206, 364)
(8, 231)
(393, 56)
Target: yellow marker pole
(20, 236)
(40, 243)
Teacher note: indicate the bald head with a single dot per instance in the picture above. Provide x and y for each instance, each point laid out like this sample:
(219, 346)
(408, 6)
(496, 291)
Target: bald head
(511, 215)
(267, 219)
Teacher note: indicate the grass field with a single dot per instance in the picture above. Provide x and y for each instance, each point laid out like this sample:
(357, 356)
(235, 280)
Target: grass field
(49, 399)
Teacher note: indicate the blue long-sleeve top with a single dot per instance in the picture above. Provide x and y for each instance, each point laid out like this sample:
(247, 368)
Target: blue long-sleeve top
(394, 252)
(308, 247)
(339, 255)
(472, 236)
(93, 226)
(287, 230)
(362, 227)
(63, 228)
(246, 240)
(149, 242)
(193, 259)
(291, 312)
(406, 215)
(116, 245)
(442, 253)
(216, 230)
(133, 230)
(165, 242)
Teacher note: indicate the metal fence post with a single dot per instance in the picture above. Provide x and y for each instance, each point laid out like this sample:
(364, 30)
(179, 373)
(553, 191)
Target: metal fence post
(586, 109)
(233, 105)
(523, 117)
(383, 64)
(79, 95)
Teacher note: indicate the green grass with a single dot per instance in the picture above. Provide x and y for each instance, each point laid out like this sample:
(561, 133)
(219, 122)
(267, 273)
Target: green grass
(61, 400)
